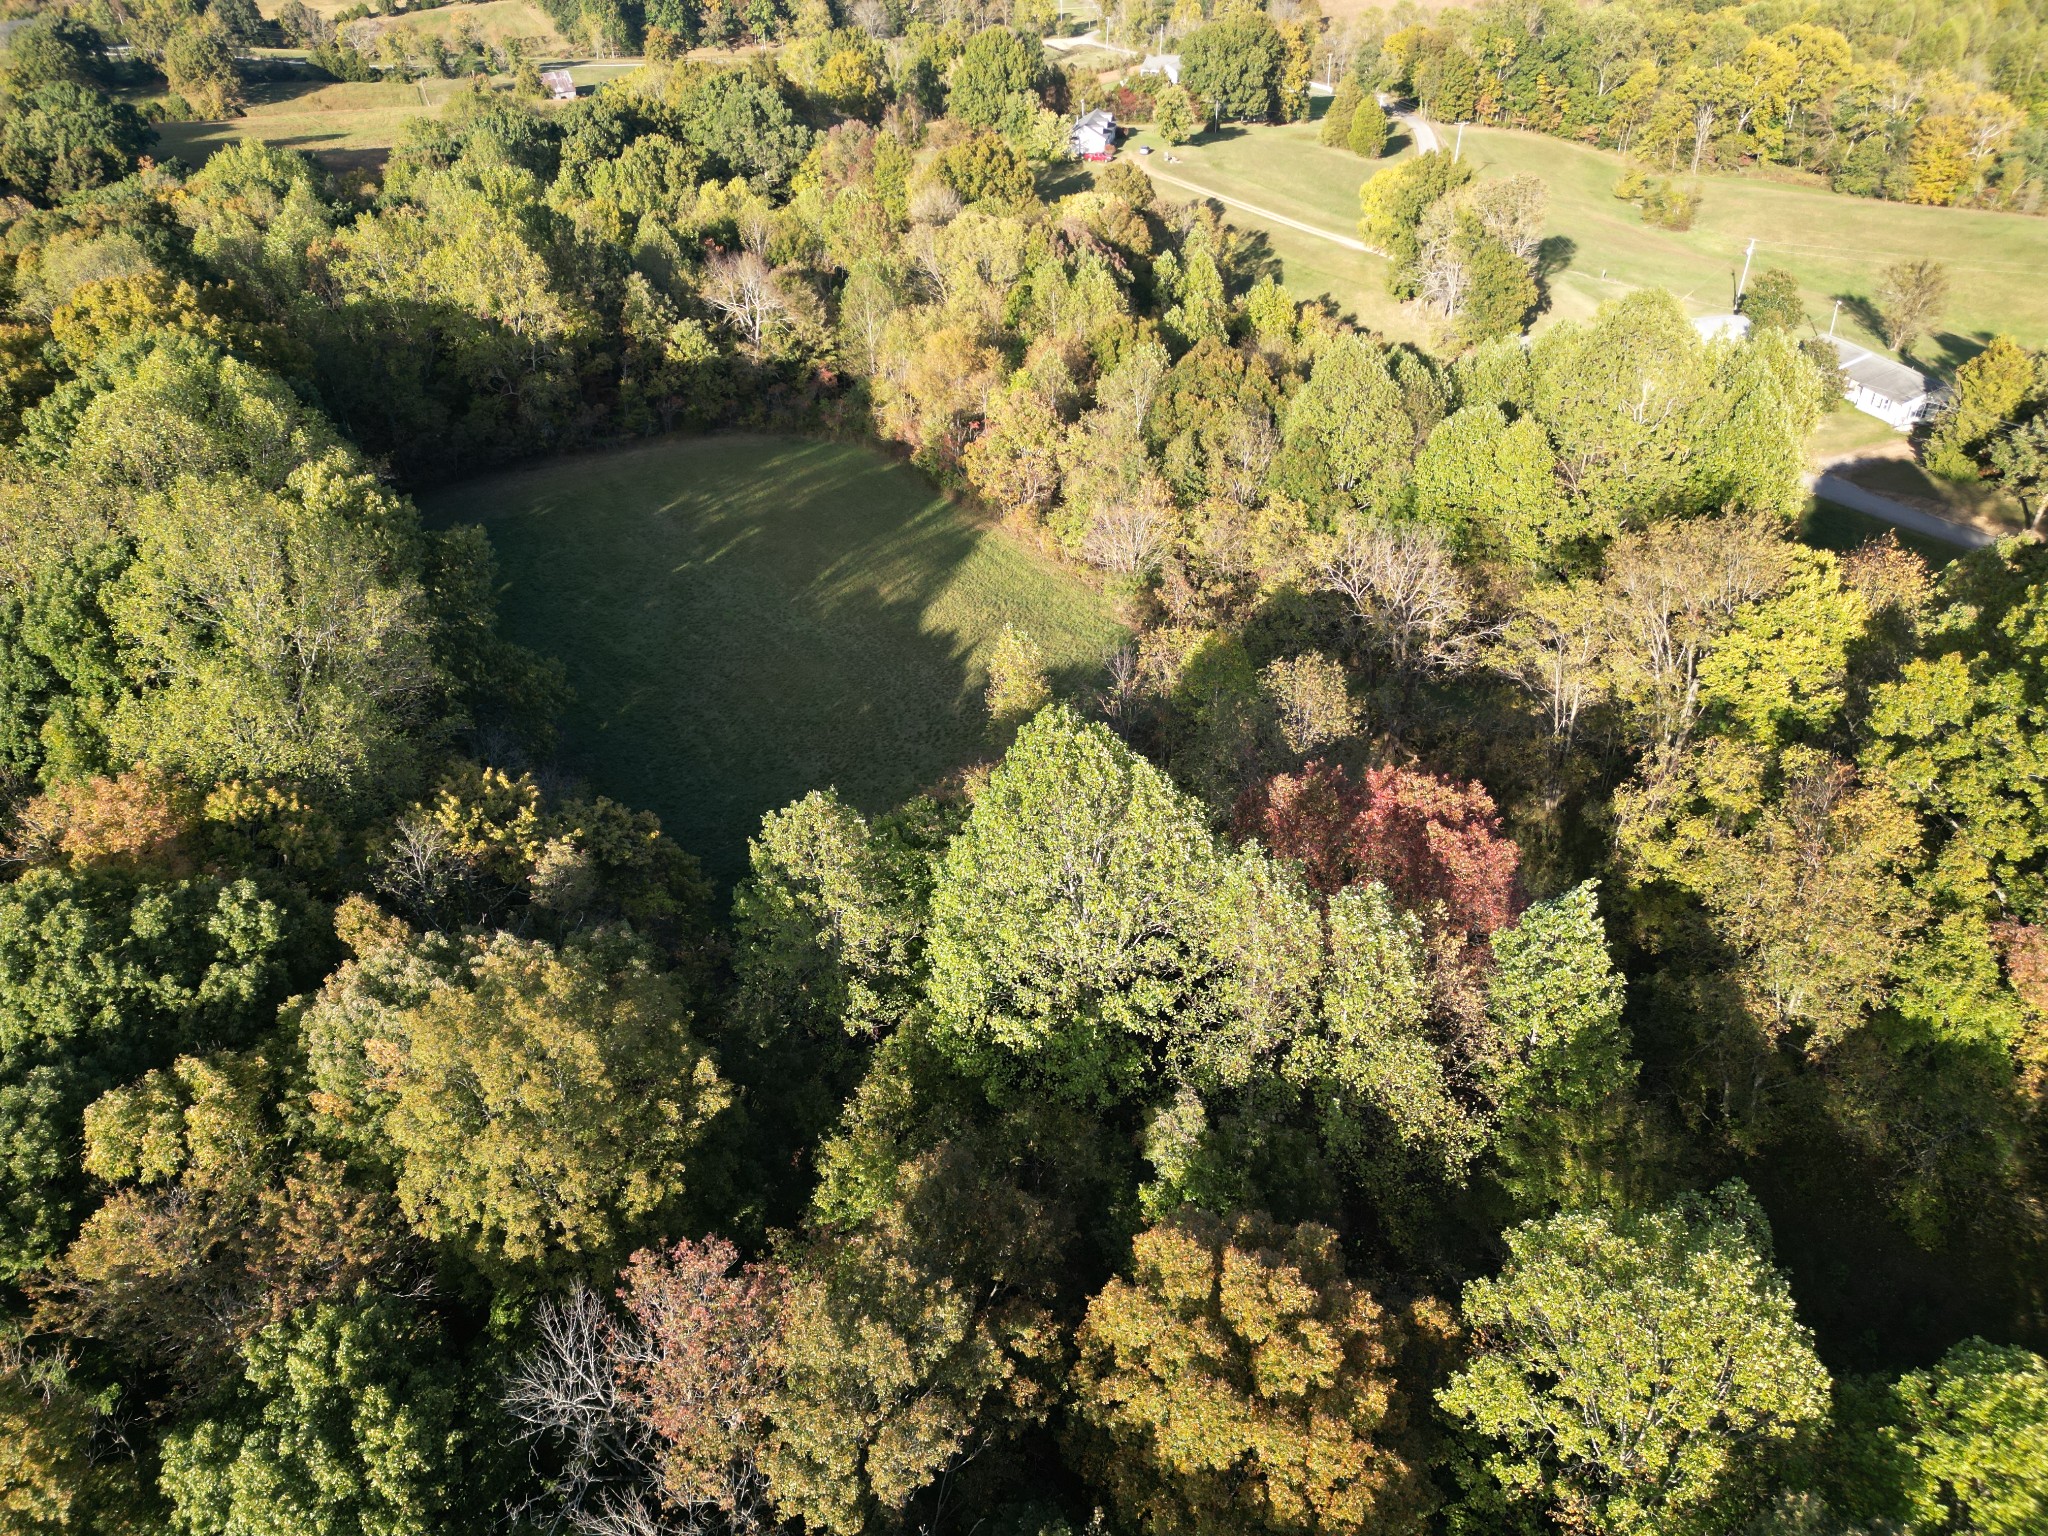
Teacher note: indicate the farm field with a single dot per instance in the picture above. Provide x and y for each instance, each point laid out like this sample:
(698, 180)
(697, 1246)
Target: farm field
(1833, 244)
(744, 619)
(346, 125)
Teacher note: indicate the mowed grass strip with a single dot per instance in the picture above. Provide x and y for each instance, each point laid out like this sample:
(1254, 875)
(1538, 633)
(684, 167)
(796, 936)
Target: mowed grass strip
(745, 619)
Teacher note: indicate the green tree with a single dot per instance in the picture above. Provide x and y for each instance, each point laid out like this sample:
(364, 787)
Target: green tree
(1366, 134)
(1240, 1381)
(64, 137)
(739, 121)
(1633, 1370)
(1969, 1441)
(103, 976)
(994, 82)
(1772, 301)
(1394, 200)
(199, 62)
(1494, 486)
(910, 1344)
(539, 1104)
(1989, 388)
(347, 1424)
(1234, 64)
(2019, 457)
(1085, 922)
(1963, 734)
(1347, 432)
(1335, 130)
(1017, 686)
(1910, 297)
(1173, 115)
(1500, 295)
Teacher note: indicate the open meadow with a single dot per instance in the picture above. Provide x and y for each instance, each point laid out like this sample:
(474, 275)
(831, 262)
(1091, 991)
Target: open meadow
(1835, 245)
(744, 619)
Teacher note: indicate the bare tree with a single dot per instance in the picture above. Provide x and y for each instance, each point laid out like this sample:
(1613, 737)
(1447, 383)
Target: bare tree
(1512, 211)
(567, 1393)
(1128, 533)
(1404, 585)
(741, 287)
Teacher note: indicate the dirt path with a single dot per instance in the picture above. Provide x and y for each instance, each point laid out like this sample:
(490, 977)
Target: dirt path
(1268, 214)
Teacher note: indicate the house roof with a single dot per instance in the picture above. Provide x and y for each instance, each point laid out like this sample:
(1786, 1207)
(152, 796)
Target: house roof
(1712, 327)
(1880, 375)
(1098, 121)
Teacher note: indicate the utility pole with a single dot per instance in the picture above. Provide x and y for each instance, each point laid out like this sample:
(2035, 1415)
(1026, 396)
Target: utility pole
(1460, 149)
(1742, 287)
(1833, 318)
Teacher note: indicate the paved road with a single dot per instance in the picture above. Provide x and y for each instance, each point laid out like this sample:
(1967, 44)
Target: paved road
(1144, 163)
(1426, 141)
(1848, 494)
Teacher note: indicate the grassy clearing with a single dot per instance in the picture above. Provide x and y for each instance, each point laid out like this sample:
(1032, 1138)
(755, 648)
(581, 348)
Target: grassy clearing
(1286, 170)
(1833, 244)
(745, 619)
(347, 125)
(1828, 525)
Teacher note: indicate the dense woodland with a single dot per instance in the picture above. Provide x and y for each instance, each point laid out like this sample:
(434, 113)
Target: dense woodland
(1519, 1001)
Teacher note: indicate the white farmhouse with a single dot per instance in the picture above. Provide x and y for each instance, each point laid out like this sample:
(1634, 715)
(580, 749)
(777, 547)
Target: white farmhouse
(1879, 387)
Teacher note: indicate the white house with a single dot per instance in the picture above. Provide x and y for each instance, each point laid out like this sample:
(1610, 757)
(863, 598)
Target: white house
(1167, 64)
(1875, 385)
(558, 84)
(1094, 136)
(1879, 387)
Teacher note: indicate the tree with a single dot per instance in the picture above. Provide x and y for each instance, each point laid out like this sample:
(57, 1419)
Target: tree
(910, 1345)
(1910, 296)
(1038, 985)
(1963, 732)
(1239, 1380)
(2019, 457)
(1493, 486)
(347, 1424)
(994, 82)
(1631, 1369)
(1234, 64)
(1436, 846)
(199, 61)
(1336, 125)
(1772, 301)
(1500, 294)
(1394, 200)
(539, 1103)
(104, 976)
(740, 122)
(1017, 686)
(1366, 134)
(1968, 1442)
(1989, 389)
(64, 137)
(1173, 115)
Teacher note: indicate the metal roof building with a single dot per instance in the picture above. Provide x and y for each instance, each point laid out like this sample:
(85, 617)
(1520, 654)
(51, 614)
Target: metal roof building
(1879, 387)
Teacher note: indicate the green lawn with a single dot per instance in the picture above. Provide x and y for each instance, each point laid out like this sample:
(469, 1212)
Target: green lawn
(1832, 243)
(744, 619)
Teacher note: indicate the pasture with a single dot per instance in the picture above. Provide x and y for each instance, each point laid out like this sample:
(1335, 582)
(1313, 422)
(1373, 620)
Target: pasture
(745, 619)
(1835, 245)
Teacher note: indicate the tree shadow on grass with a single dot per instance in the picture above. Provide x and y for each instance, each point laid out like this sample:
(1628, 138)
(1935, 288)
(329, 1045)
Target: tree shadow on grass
(744, 620)
(1863, 310)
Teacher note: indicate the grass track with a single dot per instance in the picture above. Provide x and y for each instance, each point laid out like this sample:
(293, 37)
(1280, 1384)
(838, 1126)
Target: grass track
(748, 618)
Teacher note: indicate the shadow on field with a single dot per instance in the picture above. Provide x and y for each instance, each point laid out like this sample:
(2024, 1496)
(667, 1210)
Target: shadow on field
(744, 620)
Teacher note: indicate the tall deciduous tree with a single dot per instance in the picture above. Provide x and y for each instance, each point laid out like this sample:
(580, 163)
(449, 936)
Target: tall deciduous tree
(1239, 1380)
(1910, 299)
(1630, 1370)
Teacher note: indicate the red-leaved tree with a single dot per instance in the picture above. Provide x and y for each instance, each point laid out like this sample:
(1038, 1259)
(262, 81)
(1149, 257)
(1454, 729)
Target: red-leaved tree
(1428, 840)
(697, 1370)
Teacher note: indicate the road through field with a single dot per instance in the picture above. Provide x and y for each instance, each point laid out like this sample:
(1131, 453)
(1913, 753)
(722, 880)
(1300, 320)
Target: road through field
(1346, 241)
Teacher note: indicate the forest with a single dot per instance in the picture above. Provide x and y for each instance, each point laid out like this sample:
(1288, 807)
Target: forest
(1516, 1002)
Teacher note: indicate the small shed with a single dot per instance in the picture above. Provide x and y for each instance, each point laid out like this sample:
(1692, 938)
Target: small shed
(1094, 136)
(1167, 64)
(558, 85)
(1879, 387)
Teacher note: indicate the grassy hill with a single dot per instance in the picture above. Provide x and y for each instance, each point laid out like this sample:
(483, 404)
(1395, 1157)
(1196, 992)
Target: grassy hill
(1834, 244)
(745, 619)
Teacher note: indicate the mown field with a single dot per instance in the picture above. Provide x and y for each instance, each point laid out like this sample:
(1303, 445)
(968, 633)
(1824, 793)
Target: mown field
(346, 125)
(745, 619)
(1835, 245)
